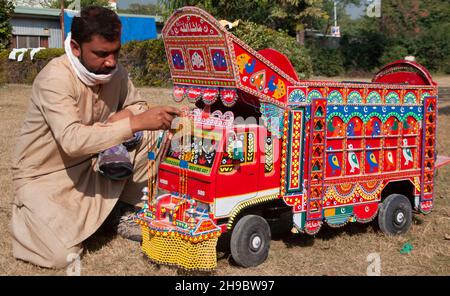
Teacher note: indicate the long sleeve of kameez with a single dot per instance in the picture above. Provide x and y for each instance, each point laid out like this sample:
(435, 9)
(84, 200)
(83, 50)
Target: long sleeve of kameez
(133, 100)
(59, 107)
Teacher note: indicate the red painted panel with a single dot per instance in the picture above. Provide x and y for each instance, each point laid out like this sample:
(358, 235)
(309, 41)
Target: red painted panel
(200, 188)
(365, 212)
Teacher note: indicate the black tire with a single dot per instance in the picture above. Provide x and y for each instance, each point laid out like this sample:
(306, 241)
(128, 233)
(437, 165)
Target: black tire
(250, 241)
(395, 215)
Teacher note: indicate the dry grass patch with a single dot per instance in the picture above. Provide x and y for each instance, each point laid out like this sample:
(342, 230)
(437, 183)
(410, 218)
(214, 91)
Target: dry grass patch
(340, 251)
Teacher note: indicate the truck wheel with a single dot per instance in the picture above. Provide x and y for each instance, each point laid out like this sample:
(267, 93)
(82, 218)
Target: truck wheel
(395, 215)
(250, 241)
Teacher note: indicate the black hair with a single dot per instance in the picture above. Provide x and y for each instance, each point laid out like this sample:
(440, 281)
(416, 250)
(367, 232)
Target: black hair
(96, 20)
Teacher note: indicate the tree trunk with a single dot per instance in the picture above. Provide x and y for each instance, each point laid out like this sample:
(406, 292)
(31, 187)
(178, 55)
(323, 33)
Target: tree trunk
(300, 35)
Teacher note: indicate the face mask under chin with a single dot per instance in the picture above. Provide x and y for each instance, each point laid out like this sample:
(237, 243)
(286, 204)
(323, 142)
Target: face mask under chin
(97, 72)
(85, 74)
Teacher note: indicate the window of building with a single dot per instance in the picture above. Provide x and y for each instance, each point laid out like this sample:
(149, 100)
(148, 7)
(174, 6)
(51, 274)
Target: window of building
(23, 41)
(33, 41)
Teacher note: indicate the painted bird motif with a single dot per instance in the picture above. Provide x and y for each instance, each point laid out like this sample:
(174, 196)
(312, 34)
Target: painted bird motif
(250, 66)
(406, 126)
(376, 129)
(333, 161)
(394, 127)
(371, 160)
(330, 126)
(271, 84)
(352, 159)
(351, 129)
(242, 61)
(336, 131)
(407, 154)
(390, 160)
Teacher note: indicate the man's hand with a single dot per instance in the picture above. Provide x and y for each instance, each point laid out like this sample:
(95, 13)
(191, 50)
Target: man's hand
(155, 118)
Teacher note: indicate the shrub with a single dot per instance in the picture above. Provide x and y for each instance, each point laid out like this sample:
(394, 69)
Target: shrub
(146, 62)
(3, 57)
(49, 53)
(4, 54)
(433, 48)
(326, 61)
(363, 50)
(25, 71)
(6, 12)
(393, 53)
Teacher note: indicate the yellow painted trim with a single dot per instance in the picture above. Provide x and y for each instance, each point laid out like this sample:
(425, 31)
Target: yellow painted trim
(239, 207)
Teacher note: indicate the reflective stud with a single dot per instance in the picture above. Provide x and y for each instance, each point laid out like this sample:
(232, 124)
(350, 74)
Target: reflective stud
(151, 155)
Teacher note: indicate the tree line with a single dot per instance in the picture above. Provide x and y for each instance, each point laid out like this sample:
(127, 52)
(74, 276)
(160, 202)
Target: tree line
(420, 28)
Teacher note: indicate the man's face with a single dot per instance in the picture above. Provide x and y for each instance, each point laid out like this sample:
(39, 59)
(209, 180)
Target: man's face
(98, 56)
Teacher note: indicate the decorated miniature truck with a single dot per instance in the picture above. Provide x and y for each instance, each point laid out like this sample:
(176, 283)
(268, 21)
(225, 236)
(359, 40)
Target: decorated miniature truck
(326, 152)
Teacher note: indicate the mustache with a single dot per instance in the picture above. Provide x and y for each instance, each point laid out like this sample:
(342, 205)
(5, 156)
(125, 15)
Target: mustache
(101, 71)
(104, 71)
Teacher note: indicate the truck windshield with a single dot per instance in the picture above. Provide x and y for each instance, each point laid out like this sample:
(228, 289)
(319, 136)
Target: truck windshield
(199, 150)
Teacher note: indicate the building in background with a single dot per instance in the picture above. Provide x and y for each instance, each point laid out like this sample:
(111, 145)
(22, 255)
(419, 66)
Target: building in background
(34, 26)
(47, 3)
(134, 27)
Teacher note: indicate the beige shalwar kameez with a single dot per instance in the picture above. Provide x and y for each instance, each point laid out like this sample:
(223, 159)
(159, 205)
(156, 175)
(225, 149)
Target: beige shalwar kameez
(60, 199)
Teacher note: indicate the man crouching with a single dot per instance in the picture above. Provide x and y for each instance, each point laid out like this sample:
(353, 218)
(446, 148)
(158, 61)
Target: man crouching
(82, 147)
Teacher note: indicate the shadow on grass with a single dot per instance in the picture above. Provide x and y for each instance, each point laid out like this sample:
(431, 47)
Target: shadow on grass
(99, 239)
(328, 233)
(281, 232)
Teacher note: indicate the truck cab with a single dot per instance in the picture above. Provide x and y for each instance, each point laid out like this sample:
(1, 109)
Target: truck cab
(219, 167)
(207, 175)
